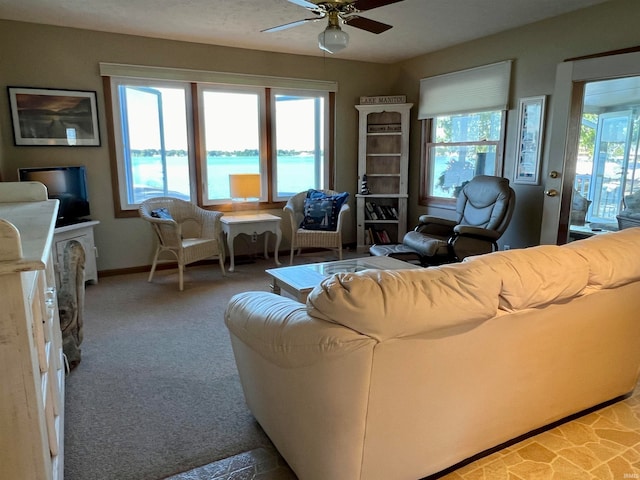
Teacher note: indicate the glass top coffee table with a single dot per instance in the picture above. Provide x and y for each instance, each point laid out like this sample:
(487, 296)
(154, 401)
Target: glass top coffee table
(299, 280)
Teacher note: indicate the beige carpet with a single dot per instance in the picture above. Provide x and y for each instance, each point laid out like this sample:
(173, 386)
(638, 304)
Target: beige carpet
(157, 391)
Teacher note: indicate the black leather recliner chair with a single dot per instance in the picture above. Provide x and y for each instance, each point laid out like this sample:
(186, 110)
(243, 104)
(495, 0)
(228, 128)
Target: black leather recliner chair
(484, 208)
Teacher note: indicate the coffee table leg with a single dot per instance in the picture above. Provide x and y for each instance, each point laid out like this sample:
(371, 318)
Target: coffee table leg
(275, 288)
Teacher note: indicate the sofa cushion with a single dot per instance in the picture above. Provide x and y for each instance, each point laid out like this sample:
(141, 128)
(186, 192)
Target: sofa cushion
(536, 276)
(608, 257)
(384, 304)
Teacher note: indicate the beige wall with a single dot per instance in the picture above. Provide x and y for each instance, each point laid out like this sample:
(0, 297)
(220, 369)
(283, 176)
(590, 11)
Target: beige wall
(43, 56)
(536, 50)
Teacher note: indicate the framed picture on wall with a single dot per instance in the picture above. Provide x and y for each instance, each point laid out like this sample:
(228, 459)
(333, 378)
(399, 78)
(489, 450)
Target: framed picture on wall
(49, 117)
(529, 146)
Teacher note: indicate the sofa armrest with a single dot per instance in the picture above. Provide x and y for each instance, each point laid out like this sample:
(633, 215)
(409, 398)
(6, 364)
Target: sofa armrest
(280, 330)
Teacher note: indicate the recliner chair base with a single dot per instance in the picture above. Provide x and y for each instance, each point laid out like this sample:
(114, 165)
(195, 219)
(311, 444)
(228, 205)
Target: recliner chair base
(397, 251)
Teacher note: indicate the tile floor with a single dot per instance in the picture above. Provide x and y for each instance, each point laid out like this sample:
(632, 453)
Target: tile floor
(602, 445)
(259, 464)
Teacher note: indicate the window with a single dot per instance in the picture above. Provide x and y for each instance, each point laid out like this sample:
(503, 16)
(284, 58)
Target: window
(464, 129)
(459, 147)
(607, 168)
(153, 145)
(162, 149)
(300, 143)
(232, 138)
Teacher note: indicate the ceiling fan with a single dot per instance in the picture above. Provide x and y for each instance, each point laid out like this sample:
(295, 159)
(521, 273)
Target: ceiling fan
(332, 39)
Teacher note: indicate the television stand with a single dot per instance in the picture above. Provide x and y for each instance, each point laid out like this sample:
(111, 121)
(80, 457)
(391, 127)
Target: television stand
(71, 221)
(83, 233)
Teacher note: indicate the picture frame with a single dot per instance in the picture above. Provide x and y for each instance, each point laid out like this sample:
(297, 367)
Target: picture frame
(54, 117)
(531, 115)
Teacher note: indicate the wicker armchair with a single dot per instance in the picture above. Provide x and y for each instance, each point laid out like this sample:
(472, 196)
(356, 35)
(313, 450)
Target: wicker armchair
(302, 238)
(188, 232)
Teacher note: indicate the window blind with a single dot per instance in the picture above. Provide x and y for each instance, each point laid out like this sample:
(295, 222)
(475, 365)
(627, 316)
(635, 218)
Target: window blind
(181, 74)
(474, 90)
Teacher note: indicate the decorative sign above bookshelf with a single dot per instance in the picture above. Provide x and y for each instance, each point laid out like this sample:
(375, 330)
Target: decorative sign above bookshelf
(385, 128)
(383, 99)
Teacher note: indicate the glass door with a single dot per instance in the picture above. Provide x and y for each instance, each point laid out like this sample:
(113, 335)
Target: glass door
(611, 160)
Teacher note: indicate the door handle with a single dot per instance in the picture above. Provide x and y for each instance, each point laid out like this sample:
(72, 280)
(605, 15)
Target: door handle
(551, 192)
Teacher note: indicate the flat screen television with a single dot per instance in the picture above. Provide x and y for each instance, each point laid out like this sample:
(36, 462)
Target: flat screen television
(67, 184)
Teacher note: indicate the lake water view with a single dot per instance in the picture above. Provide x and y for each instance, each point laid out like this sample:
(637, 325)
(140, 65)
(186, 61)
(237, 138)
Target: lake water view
(293, 172)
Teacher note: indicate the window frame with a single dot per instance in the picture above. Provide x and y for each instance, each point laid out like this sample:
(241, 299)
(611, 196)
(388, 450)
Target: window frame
(116, 142)
(191, 79)
(426, 160)
(328, 138)
(201, 88)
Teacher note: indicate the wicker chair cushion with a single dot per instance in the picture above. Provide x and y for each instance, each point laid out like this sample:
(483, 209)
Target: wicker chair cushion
(321, 210)
(161, 213)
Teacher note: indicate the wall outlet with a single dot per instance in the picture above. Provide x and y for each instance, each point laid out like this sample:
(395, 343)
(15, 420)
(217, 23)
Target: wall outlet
(254, 237)
(507, 247)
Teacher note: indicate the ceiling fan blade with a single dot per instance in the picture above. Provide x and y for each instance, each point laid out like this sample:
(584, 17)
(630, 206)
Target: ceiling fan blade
(367, 24)
(305, 4)
(364, 5)
(291, 24)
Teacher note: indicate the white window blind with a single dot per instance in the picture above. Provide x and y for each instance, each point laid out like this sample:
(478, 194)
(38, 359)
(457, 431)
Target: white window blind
(477, 89)
(203, 76)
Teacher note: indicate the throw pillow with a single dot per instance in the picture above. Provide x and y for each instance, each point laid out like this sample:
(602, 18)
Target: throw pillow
(161, 213)
(321, 210)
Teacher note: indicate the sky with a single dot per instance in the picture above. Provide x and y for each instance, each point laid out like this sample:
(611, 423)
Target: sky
(236, 128)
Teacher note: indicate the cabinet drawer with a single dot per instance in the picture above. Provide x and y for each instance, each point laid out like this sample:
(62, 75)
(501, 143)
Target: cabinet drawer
(39, 334)
(52, 425)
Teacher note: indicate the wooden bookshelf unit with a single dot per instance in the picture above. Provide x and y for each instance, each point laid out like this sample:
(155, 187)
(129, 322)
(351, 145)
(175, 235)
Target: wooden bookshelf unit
(383, 156)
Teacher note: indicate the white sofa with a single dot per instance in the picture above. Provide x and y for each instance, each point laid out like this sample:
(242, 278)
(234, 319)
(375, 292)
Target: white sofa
(400, 374)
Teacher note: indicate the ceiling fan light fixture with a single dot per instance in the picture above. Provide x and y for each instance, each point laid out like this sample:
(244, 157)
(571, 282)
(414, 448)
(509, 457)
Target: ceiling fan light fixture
(332, 39)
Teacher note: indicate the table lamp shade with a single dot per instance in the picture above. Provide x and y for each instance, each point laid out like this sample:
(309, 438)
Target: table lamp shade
(244, 185)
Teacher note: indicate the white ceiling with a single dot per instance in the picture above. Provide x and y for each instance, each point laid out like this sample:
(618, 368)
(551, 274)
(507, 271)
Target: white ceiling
(419, 26)
(611, 94)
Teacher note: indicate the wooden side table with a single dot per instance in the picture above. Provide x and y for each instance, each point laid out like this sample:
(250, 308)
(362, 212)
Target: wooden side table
(234, 225)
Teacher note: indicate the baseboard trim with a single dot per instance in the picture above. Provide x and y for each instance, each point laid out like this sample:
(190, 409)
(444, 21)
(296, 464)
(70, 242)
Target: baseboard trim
(170, 265)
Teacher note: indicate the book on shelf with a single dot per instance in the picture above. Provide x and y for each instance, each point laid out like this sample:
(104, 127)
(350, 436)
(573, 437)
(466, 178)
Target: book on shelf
(389, 212)
(371, 237)
(378, 236)
(369, 212)
(379, 212)
(374, 211)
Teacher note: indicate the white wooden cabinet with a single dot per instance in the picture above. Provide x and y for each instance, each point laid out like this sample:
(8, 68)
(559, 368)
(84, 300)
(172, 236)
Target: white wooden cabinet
(33, 372)
(383, 156)
(83, 233)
